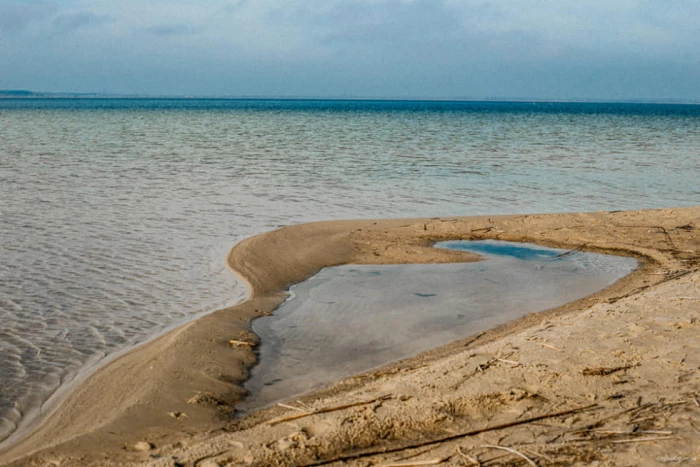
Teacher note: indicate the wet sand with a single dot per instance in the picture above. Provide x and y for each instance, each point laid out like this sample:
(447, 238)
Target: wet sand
(629, 352)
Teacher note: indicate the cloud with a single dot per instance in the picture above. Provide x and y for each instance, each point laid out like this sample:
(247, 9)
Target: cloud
(390, 21)
(233, 6)
(15, 17)
(174, 30)
(71, 21)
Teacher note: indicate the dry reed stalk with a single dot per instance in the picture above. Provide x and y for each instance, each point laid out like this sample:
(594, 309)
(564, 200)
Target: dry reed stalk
(512, 451)
(237, 343)
(435, 461)
(640, 440)
(323, 410)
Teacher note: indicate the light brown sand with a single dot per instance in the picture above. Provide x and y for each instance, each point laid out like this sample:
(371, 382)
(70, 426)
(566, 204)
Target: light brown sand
(632, 350)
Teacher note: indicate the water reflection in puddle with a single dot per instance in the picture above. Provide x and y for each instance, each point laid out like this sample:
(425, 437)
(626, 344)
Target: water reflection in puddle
(349, 319)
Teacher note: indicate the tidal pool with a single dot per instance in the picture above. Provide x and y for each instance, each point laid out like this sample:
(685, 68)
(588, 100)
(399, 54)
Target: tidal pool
(349, 319)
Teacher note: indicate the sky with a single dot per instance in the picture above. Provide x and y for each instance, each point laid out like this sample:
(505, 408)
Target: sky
(483, 49)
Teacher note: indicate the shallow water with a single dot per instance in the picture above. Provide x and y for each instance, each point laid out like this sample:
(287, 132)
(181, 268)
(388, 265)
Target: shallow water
(116, 215)
(349, 319)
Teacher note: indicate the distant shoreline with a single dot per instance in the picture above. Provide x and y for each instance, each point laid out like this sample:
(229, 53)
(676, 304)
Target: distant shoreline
(22, 94)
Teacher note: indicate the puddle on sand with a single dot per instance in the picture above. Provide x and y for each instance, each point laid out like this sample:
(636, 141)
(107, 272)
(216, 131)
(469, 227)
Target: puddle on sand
(349, 319)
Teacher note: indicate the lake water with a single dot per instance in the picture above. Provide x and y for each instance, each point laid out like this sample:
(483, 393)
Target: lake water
(349, 319)
(116, 215)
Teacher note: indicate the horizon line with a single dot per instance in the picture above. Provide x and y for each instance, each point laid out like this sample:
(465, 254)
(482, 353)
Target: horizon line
(26, 94)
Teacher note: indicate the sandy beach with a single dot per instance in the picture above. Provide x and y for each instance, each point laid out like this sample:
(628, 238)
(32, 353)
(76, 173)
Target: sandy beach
(612, 379)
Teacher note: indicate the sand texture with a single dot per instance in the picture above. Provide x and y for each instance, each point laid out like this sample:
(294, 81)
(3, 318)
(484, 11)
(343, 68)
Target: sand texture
(612, 379)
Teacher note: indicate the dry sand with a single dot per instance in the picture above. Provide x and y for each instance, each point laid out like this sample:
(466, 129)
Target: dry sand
(612, 379)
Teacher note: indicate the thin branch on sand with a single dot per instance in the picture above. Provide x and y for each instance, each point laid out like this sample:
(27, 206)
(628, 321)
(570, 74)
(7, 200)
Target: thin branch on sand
(641, 440)
(512, 451)
(323, 410)
(668, 237)
(436, 461)
(550, 346)
(237, 343)
(468, 458)
(667, 278)
(199, 461)
(605, 371)
(389, 450)
(598, 423)
(291, 407)
(509, 361)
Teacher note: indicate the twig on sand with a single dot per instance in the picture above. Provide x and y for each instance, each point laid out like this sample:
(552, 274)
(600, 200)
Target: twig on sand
(669, 404)
(667, 278)
(508, 361)
(550, 346)
(435, 461)
(291, 407)
(323, 410)
(621, 432)
(668, 237)
(605, 371)
(687, 227)
(198, 462)
(640, 440)
(539, 454)
(598, 423)
(389, 450)
(468, 458)
(305, 405)
(512, 451)
(416, 454)
(237, 343)
(474, 339)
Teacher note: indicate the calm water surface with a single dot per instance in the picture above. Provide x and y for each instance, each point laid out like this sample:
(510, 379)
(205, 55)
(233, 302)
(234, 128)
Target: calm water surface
(352, 318)
(116, 215)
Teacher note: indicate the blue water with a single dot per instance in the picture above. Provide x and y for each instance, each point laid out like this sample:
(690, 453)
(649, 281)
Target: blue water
(489, 247)
(116, 214)
(339, 105)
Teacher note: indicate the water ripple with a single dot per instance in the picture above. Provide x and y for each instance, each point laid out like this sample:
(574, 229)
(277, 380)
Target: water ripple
(115, 222)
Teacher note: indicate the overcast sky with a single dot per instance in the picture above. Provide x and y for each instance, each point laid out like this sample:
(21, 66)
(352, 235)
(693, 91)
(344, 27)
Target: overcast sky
(547, 49)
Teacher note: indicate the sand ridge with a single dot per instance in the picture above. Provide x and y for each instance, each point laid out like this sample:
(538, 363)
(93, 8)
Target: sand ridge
(630, 349)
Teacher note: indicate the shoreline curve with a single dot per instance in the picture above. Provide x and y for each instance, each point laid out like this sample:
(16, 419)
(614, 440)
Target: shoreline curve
(187, 381)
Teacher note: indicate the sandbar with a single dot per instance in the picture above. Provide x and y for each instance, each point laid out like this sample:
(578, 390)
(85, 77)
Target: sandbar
(610, 378)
